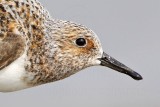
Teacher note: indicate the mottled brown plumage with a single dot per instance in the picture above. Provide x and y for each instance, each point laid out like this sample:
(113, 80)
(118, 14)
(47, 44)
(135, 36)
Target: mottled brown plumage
(36, 49)
(49, 44)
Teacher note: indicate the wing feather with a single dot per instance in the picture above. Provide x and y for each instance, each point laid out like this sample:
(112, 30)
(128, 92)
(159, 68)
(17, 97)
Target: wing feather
(12, 47)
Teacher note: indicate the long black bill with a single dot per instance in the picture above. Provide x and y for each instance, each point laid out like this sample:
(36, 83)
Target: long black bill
(112, 63)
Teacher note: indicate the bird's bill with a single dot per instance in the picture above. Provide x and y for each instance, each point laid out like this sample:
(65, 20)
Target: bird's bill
(112, 63)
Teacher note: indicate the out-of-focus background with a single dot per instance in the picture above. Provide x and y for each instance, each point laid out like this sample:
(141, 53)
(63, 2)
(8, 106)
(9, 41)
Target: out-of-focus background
(129, 30)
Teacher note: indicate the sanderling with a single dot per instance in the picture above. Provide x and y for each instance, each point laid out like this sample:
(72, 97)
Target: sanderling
(36, 49)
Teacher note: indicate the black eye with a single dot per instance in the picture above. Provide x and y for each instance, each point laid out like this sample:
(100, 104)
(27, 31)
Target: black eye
(81, 42)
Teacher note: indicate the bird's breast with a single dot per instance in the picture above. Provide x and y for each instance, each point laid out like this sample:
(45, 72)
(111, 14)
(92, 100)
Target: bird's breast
(11, 77)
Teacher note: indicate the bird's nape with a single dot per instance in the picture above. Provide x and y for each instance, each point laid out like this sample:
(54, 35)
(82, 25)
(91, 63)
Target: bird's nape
(112, 63)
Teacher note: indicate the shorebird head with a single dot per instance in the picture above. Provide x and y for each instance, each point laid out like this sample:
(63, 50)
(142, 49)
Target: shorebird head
(79, 47)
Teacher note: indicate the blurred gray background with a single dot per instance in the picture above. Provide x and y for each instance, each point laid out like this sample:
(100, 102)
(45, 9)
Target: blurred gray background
(129, 30)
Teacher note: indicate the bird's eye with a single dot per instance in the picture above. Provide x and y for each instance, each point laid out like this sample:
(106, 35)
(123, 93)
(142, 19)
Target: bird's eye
(81, 42)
